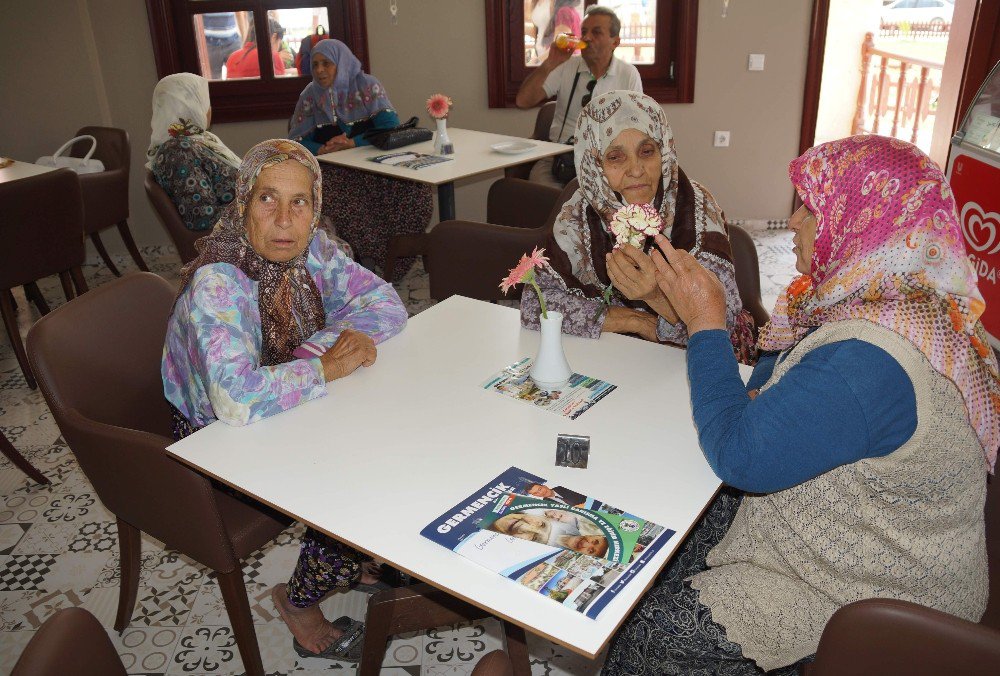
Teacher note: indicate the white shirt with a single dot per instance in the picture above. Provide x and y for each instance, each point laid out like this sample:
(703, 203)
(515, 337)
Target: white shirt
(620, 75)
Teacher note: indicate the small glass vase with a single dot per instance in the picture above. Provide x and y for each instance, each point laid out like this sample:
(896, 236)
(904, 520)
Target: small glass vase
(443, 144)
(550, 371)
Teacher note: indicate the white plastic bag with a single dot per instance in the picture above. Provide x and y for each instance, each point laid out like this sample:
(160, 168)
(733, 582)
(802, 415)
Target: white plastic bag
(81, 165)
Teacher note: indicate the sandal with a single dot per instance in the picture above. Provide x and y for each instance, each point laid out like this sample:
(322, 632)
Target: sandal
(347, 648)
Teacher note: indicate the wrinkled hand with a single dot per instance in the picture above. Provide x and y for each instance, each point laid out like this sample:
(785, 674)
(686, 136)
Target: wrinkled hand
(627, 320)
(634, 274)
(696, 294)
(352, 349)
(340, 142)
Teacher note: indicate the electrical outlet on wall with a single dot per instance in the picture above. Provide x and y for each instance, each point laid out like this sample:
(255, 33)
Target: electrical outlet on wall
(721, 139)
(756, 62)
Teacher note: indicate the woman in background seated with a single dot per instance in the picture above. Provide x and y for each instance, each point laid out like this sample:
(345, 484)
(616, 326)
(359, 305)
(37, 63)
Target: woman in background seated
(334, 110)
(625, 155)
(266, 283)
(191, 164)
(865, 432)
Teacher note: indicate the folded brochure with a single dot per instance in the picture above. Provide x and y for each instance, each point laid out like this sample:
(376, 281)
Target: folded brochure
(410, 160)
(562, 572)
(573, 400)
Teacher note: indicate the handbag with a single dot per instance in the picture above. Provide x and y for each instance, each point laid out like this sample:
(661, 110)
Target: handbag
(81, 165)
(397, 137)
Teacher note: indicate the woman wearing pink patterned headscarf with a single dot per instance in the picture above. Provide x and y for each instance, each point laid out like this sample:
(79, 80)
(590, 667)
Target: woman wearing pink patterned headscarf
(865, 432)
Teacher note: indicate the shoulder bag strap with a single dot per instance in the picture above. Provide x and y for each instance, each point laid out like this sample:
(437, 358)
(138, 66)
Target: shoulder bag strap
(568, 102)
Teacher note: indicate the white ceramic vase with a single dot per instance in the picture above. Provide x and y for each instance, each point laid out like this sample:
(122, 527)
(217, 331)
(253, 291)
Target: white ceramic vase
(550, 371)
(443, 144)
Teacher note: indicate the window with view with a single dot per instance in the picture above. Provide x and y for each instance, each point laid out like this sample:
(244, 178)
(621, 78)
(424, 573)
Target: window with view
(657, 36)
(222, 41)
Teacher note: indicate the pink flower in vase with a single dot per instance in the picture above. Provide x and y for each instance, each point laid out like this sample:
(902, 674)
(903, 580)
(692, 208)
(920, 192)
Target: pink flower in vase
(438, 106)
(524, 273)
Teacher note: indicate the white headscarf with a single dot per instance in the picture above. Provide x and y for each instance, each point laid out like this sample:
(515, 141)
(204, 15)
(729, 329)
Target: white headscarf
(180, 108)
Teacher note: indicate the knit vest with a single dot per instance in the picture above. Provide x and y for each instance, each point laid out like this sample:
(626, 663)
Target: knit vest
(908, 525)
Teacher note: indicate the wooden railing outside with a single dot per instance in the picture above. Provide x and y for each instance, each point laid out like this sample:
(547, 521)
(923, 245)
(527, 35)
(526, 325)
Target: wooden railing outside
(906, 29)
(895, 95)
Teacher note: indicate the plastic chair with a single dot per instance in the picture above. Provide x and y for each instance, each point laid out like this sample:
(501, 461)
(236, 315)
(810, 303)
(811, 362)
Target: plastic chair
(182, 237)
(543, 122)
(889, 637)
(42, 234)
(470, 259)
(105, 194)
(72, 641)
(421, 606)
(97, 360)
(747, 268)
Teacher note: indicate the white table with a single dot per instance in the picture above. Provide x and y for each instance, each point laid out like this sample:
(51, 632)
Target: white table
(20, 170)
(394, 446)
(473, 156)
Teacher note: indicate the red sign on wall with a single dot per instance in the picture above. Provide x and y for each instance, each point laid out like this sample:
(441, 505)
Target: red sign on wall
(977, 195)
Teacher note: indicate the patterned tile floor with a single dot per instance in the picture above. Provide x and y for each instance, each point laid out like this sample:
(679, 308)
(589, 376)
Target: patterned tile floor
(58, 545)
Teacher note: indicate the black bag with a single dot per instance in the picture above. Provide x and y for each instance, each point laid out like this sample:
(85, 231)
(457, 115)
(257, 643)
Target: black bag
(397, 137)
(563, 167)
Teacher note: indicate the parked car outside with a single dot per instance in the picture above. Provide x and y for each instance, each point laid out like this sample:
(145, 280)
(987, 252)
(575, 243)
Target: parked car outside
(936, 13)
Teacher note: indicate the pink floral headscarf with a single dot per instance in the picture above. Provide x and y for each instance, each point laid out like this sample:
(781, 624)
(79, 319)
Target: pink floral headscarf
(889, 249)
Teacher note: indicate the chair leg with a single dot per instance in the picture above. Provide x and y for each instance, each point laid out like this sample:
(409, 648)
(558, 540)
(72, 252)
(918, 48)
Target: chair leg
(20, 461)
(67, 285)
(78, 281)
(234, 594)
(517, 649)
(130, 548)
(34, 294)
(403, 246)
(10, 322)
(130, 245)
(99, 245)
(403, 609)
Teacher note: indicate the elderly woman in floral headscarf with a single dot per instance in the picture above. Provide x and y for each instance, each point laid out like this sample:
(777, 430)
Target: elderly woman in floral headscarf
(192, 165)
(332, 114)
(866, 431)
(625, 156)
(269, 312)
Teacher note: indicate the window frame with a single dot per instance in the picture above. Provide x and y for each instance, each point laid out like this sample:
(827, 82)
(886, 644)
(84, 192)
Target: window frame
(670, 79)
(269, 98)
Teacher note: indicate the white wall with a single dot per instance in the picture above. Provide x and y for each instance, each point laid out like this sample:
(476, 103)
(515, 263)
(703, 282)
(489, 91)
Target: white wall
(96, 67)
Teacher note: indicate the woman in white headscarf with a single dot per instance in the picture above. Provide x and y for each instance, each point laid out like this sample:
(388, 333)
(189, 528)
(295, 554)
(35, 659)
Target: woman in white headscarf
(193, 166)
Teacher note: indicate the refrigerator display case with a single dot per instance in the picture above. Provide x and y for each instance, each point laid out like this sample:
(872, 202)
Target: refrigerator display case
(974, 173)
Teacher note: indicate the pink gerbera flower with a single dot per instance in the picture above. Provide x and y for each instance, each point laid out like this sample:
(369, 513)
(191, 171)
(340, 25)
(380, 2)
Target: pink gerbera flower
(524, 273)
(439, 106)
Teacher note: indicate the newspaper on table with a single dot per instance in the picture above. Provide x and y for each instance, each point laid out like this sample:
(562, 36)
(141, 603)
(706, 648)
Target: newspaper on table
(573, 400)
(547, 555)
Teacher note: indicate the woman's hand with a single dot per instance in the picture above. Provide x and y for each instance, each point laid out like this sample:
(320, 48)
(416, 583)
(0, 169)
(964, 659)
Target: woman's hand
(696, 294)
(340, 142)
(627, 320)
(633, 273)
(352, 349)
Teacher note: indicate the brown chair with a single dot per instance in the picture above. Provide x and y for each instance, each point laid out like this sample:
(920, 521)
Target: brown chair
(747, 268)
(181, 236)
(543, 122)
(20, 461)
(470, 259)
(42, 234)
(105, 194)
(421, 606)
(897, 638)
(72, 641)
(97, 360)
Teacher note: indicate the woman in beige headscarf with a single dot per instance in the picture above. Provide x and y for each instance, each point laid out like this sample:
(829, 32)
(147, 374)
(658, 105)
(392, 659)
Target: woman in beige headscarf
(625, 156)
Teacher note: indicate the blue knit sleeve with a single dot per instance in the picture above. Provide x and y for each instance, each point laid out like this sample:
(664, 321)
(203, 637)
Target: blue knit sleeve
(843, 402)
(385, 119)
